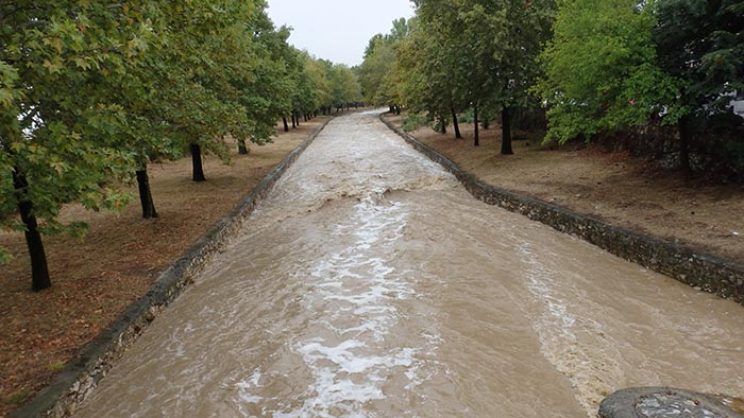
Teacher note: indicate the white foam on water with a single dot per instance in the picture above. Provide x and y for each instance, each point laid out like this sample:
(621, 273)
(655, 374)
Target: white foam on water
(247, 386)
(360, 286)
(347, 361)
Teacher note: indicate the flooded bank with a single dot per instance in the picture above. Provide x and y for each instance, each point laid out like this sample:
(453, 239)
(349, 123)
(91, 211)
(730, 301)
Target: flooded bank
(370, 283)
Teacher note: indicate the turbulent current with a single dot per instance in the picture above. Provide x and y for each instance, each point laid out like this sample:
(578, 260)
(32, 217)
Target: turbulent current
(371, 284)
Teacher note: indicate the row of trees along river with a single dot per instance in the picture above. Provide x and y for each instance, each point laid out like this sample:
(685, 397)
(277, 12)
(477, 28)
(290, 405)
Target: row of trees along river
(594, 69)
(92, 91)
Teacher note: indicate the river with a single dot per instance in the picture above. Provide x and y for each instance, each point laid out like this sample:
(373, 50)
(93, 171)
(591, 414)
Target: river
(371, 284)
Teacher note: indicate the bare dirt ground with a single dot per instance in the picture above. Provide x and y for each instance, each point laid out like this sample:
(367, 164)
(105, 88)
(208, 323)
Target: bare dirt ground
(615, 187)
(95, 279)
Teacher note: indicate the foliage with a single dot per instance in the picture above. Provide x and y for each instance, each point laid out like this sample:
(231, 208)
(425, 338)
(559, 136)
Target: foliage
(267, 94)
(317, 74)
(733, 153)
(615, 64)
(701, 44)
(377, 74)
(91, 91)
(345, 86)
(414, 121)
(468, 53)
(600, 71)
(519, 30)
(597, 67)
(57, 126)
(431, 58)
(467, 116)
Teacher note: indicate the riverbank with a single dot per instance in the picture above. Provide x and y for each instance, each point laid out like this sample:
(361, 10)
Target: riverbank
(613, 187)
(95, 279)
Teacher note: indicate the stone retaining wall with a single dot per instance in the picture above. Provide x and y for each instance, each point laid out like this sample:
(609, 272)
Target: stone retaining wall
(702, 271)
(81, 376)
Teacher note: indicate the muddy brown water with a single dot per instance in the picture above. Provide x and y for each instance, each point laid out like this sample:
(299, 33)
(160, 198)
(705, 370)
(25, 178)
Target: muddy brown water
(371, 284)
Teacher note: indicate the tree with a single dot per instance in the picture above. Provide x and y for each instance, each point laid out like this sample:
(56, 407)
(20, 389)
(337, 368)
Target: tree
(375, 68)
(345, 88)
(600, 71)
(479, 52)
(312, 87)
(318, 79)
(520, 30)
(267, 93)
(55, 120)
(142, 91)
(212, 51)
(701, 44)
(458, 49)
(378, 71)
(429, 58)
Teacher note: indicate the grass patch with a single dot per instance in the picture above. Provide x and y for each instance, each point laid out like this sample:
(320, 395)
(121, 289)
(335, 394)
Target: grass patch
(18, 397)
(56, 366)
(414, 122)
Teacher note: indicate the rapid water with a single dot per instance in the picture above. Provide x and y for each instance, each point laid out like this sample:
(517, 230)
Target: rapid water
(371, 284)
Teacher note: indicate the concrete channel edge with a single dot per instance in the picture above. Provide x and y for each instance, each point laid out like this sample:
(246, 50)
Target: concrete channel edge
(81, 375)
(702, 271)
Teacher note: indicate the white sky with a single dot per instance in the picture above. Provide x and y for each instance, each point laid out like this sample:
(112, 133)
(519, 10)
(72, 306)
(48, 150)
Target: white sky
(337, 30)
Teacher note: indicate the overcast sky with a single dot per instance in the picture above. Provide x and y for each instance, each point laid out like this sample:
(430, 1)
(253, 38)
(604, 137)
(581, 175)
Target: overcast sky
(337, 30)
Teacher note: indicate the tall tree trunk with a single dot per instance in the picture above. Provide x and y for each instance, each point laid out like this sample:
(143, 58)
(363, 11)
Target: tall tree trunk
(145, 194)
(506, 136)
(442, 125)
(242, 148)
(294, 121)
(397, 110)
(40, 279)
(456, 124)
(476, 136)
(486, 123)
(684, 146)
(196, 162)
(286, 125)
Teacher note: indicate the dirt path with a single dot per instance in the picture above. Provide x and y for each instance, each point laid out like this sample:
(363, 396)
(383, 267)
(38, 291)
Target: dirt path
(370, 283)
(97, 278)
(613, 187)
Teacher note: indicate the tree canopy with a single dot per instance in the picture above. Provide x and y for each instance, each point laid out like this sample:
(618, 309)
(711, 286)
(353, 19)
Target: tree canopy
(594, 68)
(462, 54)
(615, 81)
